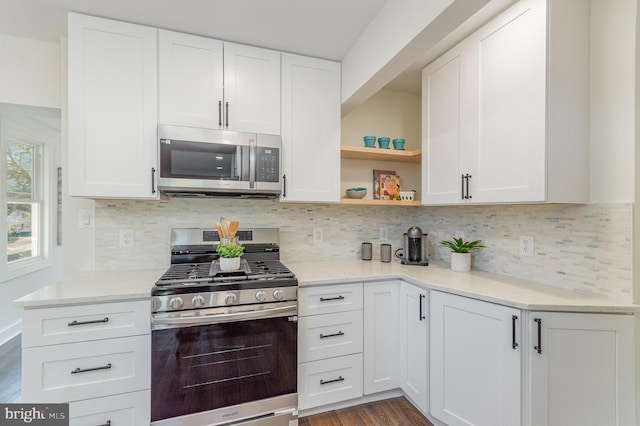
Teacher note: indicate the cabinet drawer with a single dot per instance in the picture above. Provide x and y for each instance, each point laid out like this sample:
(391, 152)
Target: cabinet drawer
(77, 371)
(329, 335)
(329, 381)
(329, 299)
(69, 324)
(128, 409)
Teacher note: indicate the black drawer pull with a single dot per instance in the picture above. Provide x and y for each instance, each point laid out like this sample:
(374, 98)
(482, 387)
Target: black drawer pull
(80, 370)
(514, 344)
(72, 323)
(326, 299)
(339, 379)
(538, 347)
(108, 423)
(324, 336)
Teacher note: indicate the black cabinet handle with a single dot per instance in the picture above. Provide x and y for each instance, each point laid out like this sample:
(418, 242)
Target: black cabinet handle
(468, 194)
(284, 184)
(226, 114)
(326, 299)
(538, 347)
(153, 180)
(74, 323)
(514, 344)
(422, 297)
(108, 423)
(324, 336)
(462, 186)
(325, 382)
(220, 113)
(86, 370)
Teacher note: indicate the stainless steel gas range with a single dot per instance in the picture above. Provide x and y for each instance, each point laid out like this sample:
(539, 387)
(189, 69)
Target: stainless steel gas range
(224, 343)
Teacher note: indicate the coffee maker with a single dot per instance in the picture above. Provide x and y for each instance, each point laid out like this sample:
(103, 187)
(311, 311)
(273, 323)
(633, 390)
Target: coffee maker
(414, 247)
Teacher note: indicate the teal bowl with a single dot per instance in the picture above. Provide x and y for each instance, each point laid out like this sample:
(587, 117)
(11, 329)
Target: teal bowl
(356, 192)
(398, 144)
(370, 141)
(383, 142)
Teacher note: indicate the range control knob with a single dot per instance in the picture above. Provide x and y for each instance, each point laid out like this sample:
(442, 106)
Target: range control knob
(155, 304)
(261, 296)
(230, 299)
(197, 301)
(278, 294)
(176, 303)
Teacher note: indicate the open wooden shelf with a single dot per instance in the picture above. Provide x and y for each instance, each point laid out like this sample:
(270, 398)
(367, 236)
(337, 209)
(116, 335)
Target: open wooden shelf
(365, 202)
(363, 153)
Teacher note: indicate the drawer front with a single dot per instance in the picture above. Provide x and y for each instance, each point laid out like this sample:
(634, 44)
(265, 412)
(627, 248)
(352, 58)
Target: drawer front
(77, 371)
(329, 335)
(127, 409)
(329, 299)
(329, 381)
(69, 324)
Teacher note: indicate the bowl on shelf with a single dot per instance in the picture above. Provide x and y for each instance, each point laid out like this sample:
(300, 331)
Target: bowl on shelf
(398, 144)
(356, 192)
(370, 141)
(383, 142)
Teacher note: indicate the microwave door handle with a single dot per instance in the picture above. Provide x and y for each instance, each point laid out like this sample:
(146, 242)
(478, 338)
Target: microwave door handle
(252, 163)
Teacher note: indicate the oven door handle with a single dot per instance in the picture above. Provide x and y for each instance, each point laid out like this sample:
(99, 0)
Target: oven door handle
(177, 321)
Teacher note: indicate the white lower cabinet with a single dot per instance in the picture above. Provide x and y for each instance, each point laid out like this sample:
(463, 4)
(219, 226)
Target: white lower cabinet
(330, 344)
(414, 344)
(581, 369)
(96, 357)
(475, 362)
(381, 342)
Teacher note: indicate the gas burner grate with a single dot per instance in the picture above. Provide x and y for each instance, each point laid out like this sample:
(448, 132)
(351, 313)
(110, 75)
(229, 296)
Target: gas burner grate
(186, 271)
(268, 267)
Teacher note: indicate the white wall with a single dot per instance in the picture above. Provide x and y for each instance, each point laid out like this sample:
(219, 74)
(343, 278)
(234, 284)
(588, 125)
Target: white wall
(30, 76)
(612, 93)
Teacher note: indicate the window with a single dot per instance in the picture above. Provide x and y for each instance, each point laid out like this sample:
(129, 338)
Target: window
(27, 193)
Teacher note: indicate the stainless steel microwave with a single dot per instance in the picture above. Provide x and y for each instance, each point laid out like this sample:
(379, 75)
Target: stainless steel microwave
(206, 162)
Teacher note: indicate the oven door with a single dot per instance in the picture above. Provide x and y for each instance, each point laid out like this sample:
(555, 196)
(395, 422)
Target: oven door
(224, 372)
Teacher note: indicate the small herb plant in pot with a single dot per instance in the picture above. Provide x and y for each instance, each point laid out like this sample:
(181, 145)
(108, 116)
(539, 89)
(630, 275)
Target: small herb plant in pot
(230, 251)
(461, 252)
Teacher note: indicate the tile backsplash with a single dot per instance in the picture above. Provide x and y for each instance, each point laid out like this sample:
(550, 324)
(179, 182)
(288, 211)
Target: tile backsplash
(586, 248)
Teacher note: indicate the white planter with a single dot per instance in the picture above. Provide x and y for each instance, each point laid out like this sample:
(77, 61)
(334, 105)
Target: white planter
(229, 263)
(460, 262)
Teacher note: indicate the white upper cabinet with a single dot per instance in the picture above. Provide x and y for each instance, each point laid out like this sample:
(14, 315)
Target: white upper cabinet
(310, 129)
(190, 80)
(213, 84)
(112, 74)
(505, 112)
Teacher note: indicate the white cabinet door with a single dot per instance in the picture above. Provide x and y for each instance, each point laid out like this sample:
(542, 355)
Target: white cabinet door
(310, 129)
(113, 116)
(251, 89)
(444, 105)
(508, 153)
(381, 366)
(581, 369)
(414, 333)
(190, 80)
(475, 362)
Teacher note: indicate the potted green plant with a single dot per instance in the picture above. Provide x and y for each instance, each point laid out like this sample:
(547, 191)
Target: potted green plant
(461, 252)
(230, 251)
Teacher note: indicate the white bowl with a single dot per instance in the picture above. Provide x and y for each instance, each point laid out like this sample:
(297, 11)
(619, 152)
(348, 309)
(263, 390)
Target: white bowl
(356, 192)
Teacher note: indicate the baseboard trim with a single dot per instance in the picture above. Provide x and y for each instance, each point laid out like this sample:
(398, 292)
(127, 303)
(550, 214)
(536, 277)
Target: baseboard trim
(10, 332)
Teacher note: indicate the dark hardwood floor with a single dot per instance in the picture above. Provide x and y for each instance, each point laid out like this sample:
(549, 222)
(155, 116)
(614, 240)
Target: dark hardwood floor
(388, 412)
(11, 370)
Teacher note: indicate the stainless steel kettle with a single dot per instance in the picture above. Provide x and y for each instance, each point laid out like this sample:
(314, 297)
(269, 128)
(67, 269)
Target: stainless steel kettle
(415, 248)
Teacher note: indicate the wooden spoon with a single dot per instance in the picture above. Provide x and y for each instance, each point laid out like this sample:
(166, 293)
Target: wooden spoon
(220, 230)
(233, 227)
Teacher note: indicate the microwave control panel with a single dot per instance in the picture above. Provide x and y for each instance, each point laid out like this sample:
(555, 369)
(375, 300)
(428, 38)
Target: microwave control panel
(267, 164)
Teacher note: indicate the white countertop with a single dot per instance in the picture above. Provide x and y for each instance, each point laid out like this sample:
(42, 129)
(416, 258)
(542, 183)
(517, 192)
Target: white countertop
(110, 286)
(486, 286)
(94, 287)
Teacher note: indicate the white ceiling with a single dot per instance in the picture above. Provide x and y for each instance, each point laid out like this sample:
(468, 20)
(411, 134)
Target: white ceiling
(320, 28)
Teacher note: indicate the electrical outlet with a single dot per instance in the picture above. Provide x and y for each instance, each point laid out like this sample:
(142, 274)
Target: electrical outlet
(126, 238)
(317, 236)
(384, 233)
(459, 234)
(526, 245)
